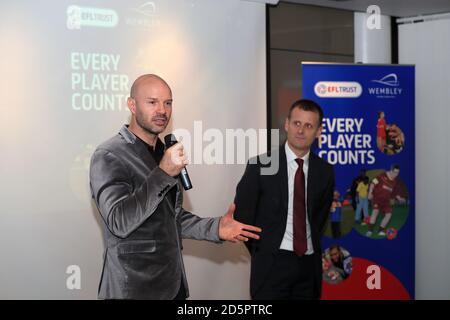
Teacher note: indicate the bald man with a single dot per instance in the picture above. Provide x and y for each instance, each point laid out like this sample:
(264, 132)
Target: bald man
(133, 180)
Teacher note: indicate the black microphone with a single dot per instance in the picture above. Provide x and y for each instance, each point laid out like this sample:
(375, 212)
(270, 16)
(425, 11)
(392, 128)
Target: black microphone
(170, 140)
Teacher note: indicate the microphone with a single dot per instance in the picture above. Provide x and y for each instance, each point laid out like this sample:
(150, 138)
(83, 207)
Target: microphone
(170, 140)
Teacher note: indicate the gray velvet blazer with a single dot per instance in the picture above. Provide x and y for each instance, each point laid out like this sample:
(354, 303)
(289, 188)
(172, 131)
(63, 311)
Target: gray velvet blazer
(143, 229)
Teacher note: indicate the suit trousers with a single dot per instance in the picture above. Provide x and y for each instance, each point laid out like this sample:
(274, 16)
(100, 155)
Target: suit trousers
(181, 295)
(290, 278)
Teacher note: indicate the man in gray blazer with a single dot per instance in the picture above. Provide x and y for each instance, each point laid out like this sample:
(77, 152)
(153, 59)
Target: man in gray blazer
(133, 182)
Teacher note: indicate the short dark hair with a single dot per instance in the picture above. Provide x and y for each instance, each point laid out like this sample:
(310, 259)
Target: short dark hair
(395, 167)
(307, 105)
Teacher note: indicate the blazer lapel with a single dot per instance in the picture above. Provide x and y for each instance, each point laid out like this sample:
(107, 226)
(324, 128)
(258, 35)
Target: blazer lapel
(141, 151)
(138, 147)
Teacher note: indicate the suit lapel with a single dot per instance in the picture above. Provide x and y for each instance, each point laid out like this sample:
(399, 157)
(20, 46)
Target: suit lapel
(312, 178)
(283, 179)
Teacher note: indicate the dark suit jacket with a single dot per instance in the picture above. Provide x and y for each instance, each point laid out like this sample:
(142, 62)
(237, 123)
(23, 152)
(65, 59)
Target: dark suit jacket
(262, 200)
(143, 229)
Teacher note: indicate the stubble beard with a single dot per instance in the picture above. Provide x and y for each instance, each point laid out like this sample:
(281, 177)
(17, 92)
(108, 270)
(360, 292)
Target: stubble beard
(148, 127)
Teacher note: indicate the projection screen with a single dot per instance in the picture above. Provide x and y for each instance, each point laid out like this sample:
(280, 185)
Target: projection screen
(67, 67)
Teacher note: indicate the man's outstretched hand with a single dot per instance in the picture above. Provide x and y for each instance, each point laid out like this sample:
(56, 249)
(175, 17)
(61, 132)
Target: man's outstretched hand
(234, 231)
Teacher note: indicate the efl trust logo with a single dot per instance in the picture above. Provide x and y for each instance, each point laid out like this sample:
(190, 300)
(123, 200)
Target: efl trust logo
(338, 89)
(90, 17)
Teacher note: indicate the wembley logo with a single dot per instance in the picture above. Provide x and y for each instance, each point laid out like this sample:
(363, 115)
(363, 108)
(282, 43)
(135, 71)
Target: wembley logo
(143, 16)
(338, 89)
(390, 87)
(389, 80)
(147, 9)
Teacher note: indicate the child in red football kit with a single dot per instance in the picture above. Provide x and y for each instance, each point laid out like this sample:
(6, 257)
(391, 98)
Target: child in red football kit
(381, 190)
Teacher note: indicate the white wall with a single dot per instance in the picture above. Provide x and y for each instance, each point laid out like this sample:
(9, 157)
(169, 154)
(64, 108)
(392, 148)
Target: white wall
(212, 53)
(427, 45)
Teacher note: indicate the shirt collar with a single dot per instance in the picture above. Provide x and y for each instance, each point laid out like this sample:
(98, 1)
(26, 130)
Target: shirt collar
(291, 156)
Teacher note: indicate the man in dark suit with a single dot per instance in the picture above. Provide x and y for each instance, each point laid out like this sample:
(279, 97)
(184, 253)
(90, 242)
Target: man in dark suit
(134, 184)
(291, 206)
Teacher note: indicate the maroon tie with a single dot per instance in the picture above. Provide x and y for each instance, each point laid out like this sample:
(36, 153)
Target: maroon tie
(299, 210)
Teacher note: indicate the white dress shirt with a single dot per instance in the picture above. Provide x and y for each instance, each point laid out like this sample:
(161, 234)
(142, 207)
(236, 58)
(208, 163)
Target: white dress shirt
(292, 166)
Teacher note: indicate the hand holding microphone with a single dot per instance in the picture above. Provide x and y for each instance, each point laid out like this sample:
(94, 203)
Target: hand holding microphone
(174, 161)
